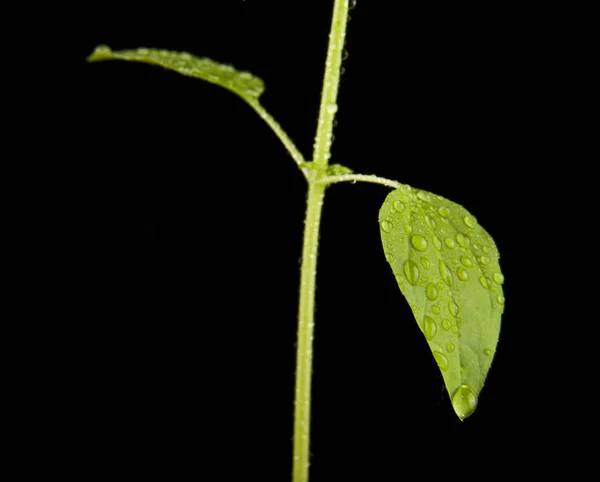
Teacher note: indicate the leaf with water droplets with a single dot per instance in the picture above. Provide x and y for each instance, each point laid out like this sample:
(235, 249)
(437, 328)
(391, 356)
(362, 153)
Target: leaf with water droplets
(243, 84)
(458, 299)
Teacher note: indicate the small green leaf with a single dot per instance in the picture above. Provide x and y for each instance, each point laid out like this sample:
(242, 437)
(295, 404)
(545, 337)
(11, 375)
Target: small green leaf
(243, 84)
(446, 266)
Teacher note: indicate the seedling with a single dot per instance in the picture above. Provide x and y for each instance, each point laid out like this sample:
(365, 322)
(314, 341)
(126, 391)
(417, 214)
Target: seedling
(445, 263)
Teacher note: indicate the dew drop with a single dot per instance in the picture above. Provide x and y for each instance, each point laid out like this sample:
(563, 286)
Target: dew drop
(484, 260)
(446, 273)
(441, 360)
(454, 329)
(440, 285)
(500, 299)
(444, 211)
(437, 243)
(418, 242)
(425, 262)
(462, 274)
(487, 352)
(432, 292)
(423, 196)
(431, 222)
(446, 324)
(430, 328)
(453, 308)
(466, 261)
(399, 206)
(386, 226)
(450, 347)
(464, 401)
(407, 228)
(411, 271)
(389, 257)
(450, 243)
(332, 108)
(435, 309)
(485, 282)
(470, 221)
(485, 249)
(498, 278)
(463, 240)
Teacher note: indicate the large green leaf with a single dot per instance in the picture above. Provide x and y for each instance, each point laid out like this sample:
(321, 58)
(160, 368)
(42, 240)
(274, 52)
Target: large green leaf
(244, 84)
(447, 267)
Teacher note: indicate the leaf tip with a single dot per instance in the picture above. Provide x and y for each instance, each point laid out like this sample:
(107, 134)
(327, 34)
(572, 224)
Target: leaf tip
(101, 52)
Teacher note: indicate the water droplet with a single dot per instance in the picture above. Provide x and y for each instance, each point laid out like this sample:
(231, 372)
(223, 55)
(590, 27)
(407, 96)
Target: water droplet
(462, 274)
(466, 261)
(103, 49)
(453, 308)
(425, 262)
(470, 221)
(500, 299)
(444, 211)
(450, 347)
(414, 209)
(450, 243)
(423, 196)
(499, 278)
(446, 273)
(345, 55)
(440, 285)
(487, 352)
(389, 257)
(407, 228)
(430, 222)
(332, 108)
(437, 243)
(454, 329)
(485, 249)
(441, 360)
(464, 401)
(430, 328)
(463, 240)
(484, 260)
(435, 309)
(352, 4)
(399, 206)
(411, 271)
(432, 292)
(386, 226)
(418, 242)
(485, 282)
(446, 324)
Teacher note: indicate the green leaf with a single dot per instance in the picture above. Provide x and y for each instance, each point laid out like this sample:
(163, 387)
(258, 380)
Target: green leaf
(446, 266)
(243, 84)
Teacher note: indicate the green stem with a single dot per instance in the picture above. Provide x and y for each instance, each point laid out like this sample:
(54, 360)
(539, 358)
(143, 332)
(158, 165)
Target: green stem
(316, 194)
(360, 177)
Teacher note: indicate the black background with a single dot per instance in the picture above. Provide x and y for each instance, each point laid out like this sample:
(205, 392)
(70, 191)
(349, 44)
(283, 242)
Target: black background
(187, 217)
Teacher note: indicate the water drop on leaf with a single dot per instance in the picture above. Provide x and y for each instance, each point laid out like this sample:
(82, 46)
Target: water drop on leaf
(418, 242)
(432, 292)
(464, 401)
(430, 327)
(441, 360)
(470, 221)
(411, 271)
(386, 225)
